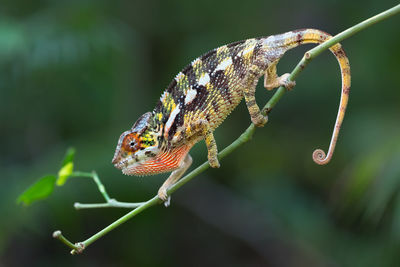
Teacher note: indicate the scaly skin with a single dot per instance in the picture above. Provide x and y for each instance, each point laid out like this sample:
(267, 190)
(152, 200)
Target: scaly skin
(203, 94)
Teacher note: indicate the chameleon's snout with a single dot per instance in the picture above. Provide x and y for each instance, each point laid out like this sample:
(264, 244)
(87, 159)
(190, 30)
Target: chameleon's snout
(120, 159)
(116, 161)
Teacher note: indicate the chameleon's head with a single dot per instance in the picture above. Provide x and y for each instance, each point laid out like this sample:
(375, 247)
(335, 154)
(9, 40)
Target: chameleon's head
(136, 146)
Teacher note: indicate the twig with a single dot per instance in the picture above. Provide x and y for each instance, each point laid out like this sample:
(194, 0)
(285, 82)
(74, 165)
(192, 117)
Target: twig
(96, 179)
(112, 203)
(109, 202)
(244, 137)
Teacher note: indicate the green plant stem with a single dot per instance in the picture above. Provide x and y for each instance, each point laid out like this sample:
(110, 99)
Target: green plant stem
(109, 202)
(112, 203)
(58, 235)
(244, 137)
(96, 179)
(355, 29)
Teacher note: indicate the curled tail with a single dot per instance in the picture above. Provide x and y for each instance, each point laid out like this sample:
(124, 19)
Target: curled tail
(304, 36)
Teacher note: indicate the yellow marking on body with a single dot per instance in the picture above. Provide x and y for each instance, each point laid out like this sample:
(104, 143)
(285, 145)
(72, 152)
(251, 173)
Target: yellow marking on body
(217, 98)
(184, 80)
(222, 51)
(181, 79)
(186, 119)
(172, 105)
(248, 52)
(209, 87)
(159, 116)
(197, 66)
(169, 104)
(211, 110)
(179, 76)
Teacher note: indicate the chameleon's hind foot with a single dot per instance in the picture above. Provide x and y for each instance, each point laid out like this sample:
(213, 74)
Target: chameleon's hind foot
(271, 79)
(214, 163)
(162, 194)
(286, 82)
(260, 120)
(274, 82)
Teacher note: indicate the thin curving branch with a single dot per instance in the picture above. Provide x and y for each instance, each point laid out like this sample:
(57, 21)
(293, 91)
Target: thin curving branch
(318, 155)
(109, 202)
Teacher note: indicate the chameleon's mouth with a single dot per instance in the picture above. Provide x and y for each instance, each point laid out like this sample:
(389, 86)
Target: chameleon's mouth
(119, 162)
(124, 163)
(118, 166)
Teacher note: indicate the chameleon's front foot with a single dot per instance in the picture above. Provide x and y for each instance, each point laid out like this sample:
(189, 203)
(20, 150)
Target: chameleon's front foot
(162, 194)
(172, 179)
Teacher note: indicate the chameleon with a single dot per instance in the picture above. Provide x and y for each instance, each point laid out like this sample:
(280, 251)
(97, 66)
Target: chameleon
(204, 93)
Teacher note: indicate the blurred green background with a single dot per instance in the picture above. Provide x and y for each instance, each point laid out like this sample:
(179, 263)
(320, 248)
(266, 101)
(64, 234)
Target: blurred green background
(78, 73)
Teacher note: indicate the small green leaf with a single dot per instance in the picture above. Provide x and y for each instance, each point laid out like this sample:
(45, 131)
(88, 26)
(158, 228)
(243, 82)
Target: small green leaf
(41, 189)
(69, 156)
(64, 173)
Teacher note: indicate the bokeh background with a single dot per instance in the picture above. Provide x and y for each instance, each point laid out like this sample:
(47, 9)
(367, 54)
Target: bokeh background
(78, 73)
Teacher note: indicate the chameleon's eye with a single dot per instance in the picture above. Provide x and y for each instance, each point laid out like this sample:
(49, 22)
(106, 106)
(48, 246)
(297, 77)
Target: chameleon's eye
(131, 143)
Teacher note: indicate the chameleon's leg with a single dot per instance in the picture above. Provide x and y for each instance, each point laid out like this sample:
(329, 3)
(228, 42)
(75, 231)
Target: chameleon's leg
(173, 178)
(203, 127)
(249, 95)
(212, 150)
(271, 79)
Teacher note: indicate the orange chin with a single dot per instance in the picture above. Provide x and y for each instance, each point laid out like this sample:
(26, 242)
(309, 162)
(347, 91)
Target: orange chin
(164, 162)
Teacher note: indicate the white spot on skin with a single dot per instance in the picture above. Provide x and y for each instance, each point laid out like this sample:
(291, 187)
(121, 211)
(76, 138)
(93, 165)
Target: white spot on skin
(190, 95)
(224, 64)
(204, 79)
(171, 118)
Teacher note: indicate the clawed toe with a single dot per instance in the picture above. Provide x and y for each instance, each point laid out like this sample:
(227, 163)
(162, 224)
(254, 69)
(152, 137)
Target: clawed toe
(167, 202)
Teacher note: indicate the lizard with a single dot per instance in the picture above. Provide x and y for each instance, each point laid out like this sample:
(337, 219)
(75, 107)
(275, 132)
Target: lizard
(204, 93)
